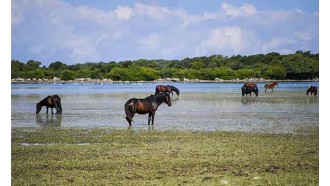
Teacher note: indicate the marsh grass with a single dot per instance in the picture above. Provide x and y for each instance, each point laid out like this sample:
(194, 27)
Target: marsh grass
(57, 156)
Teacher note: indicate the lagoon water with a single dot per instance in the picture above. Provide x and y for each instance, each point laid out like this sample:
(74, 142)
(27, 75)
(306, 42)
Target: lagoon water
(200, 107)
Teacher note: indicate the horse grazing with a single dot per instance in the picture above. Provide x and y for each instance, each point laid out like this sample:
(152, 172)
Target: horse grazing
(53, 101)
(167, 88)
(270, 86)
(312, 90)
(248, 88)
(148, 105)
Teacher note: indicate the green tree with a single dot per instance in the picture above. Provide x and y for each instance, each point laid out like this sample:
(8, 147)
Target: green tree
(226, 73)
(33, 65)
(16, 68)
(38, 74)
(274, 72)
(244, 73)
(83, 73)
(117, 73)
(67, 75)
(57, 65)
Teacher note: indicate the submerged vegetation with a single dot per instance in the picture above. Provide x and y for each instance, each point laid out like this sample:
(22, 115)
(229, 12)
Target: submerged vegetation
(58, 156)
(298, 66)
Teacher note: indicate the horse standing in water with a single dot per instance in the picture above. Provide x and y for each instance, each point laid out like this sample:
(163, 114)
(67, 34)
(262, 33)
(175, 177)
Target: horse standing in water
(148, 105)
(270, 86)
(248, 88)
(167, 88)
(53, 101)
(312, 90)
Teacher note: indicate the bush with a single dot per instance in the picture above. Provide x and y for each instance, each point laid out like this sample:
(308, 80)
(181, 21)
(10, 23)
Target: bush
(67, 75)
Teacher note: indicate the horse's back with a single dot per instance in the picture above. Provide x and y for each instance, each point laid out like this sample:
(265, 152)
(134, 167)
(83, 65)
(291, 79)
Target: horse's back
(55, 96)
(252, 85)
(161, 88)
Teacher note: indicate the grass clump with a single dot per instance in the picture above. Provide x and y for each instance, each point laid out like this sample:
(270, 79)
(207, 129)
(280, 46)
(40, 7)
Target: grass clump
(142, 157)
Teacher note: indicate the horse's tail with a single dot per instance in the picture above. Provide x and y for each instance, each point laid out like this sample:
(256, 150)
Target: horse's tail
(130, 110)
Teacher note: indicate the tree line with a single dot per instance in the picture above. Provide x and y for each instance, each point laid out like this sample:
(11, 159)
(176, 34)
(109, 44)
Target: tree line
(297, 66)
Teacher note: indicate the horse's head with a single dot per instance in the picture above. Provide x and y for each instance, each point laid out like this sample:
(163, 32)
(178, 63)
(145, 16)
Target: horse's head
(168, 99)
(177, 92)
(275, 83)
(38, 108)
(256, 90)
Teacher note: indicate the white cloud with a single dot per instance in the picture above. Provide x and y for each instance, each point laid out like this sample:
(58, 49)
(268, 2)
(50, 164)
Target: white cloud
(124, 12)
(60, 31)
(244, 10)
(224, 39)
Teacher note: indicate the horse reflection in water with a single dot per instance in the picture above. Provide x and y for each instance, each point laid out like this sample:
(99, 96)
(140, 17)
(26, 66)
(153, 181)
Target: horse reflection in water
(248, 100)
(148, 105)
(49, 120)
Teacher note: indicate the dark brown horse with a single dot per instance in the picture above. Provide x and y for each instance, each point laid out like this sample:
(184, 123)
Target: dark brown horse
(270, 86)
(167, 88)
(312, 90)
(248, 88)
(53, 101)
(148, 105)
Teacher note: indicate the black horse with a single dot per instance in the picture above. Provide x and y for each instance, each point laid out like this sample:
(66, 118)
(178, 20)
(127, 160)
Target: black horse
(248, 88)
(147, 105)
(312, 90)
(167, 88)
(53, 101)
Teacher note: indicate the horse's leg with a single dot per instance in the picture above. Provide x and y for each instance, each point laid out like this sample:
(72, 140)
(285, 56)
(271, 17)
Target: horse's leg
(129, 121)
(153, 117)
(56, 107)
(47, 110)
(272, 89)
(149, 117)
(130, 110)
(129, 117)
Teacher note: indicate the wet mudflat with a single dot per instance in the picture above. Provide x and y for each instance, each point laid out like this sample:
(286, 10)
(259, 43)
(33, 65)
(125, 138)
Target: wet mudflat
(209, 136)
(281, 111)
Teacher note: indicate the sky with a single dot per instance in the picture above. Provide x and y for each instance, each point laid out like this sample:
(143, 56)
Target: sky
(79, 31)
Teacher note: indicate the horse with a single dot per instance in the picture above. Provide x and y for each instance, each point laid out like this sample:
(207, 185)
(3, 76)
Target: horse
(167, 88)
(270, 86)
(53, 101)
(148, 105)
(248, 88)
(312, 90)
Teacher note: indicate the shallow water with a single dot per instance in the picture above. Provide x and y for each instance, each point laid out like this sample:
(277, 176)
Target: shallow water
(205, 107)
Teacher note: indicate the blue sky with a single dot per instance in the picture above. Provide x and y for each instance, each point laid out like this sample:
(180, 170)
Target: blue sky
(79, 31)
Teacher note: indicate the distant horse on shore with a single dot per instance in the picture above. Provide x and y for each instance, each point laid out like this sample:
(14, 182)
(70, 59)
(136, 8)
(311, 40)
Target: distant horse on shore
(248, 88)
(270, 86)
(148, 105)
(167, 88)
(312, 90)
(53, 101)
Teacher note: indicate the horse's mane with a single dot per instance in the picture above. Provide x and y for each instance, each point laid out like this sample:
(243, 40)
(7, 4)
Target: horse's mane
(44, 100)
(156, 95)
